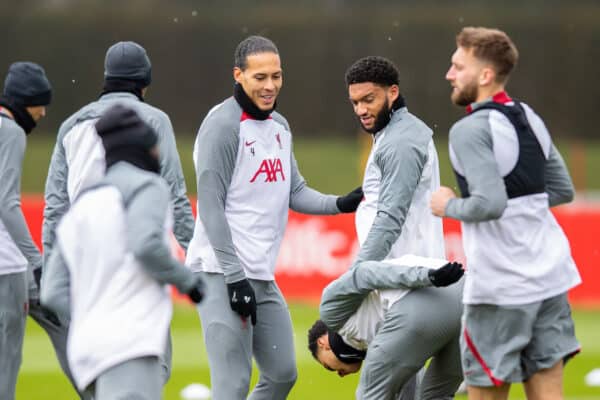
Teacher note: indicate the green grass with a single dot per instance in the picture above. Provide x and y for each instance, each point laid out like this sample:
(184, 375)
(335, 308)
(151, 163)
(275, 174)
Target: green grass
(330, 165)
(40, 377)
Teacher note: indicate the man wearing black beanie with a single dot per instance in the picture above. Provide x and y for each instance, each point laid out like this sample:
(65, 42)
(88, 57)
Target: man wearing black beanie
(23, 102)
(78, 158)
(108, 271)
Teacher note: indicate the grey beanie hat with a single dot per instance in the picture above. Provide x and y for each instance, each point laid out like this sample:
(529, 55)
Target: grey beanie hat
(26, 84)
(129, 61)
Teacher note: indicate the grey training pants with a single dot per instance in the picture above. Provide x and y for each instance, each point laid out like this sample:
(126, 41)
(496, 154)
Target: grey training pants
(231, 343)
(423, 324)
(13, 314)
(135, 379)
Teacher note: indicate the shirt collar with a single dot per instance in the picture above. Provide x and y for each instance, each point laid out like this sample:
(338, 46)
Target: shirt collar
(500, 97)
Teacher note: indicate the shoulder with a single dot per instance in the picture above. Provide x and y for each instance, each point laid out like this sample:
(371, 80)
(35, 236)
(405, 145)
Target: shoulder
(277, 117)
(406, 134)
(130, 181)
(222, 121)
(10, 131)
(470, 125)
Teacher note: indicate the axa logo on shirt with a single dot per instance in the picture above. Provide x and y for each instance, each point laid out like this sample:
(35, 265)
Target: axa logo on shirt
(269, 167)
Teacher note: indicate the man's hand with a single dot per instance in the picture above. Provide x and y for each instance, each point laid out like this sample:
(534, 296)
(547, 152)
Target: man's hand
(439, 200)
(349, 203)
(196, 294)
(242, 299)
(446, 275)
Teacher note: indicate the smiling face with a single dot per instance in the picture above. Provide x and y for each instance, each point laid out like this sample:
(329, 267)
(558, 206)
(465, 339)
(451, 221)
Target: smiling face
(328, 359)
(261, 79)
(372, 103)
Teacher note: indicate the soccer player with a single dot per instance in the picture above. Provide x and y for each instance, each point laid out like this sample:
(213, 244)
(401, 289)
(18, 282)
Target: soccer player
(112, 259)
(402, 170)
(248, 180)
(401, 173)
(78, 157)
(517, 320)
(23, 102)
(372, 313)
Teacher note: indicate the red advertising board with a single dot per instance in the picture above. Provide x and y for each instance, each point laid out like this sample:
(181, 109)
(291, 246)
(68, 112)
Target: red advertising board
(317, 249)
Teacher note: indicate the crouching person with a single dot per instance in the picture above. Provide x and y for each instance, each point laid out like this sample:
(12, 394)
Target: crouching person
(109, 270)
(388, 319)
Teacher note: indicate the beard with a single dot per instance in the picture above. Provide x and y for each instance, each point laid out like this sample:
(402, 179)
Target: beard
(381, 119)
(465, 96)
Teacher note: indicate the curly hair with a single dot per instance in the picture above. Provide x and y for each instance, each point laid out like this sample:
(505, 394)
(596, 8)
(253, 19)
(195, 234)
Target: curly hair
(314, 333)
(252, 45)
(374, 69)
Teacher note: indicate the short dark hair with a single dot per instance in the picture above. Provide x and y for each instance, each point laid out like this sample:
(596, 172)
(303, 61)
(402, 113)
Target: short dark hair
(491, 45)
(252, 45)
(374, 69)
(318, 329)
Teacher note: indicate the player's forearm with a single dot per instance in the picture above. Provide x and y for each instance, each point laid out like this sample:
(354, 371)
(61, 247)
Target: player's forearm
(375, 275)
(156, 259)
(184, 220)
(14, 222)
(211, 196)
(55, 294)
(384, 232)
(485, 204)
(309, 201)
(56, 198)
(558, 181)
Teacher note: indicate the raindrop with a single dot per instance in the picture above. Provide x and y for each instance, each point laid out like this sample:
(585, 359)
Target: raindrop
(176, 20)
(396, 24)
(461, 19)
(72, 80)
(274, 347)
(245, 29)
(389, 38)
(194, 13)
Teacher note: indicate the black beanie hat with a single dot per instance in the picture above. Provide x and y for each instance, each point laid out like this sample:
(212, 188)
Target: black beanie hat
(26, 84)
(128, 61)
(122, 127)
(126, 137)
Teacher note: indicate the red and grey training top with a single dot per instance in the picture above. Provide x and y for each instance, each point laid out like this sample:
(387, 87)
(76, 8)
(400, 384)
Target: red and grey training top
(510, 174)
(247, 180)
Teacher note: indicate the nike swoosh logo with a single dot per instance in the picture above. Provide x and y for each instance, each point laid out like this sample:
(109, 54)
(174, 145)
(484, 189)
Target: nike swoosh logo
(350, 355)
(250, 143)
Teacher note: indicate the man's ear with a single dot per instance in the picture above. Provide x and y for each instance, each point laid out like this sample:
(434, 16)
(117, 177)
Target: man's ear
(237, 74)
(392, 93)
(323, 342)
(487, 76)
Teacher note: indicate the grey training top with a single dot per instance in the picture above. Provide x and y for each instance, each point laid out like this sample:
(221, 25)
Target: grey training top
(472, 143)
(56, 196)
(12, 151)
(146, 199)
(400, 157)
(215, 165)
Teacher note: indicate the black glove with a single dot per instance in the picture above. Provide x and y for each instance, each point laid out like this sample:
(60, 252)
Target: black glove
(446, 275)
(196, 294)
(349, 203)
(242, 299)
(37, 275)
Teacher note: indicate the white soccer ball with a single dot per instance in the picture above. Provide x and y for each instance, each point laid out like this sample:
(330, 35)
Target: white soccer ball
(593, 377)
(195, 391)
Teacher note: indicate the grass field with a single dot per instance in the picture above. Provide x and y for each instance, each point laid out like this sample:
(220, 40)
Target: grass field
(40, 377)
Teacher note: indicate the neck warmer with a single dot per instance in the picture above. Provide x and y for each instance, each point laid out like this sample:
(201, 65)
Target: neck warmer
(345, 353)
(248, 105)
(123, 85)
(20, 114)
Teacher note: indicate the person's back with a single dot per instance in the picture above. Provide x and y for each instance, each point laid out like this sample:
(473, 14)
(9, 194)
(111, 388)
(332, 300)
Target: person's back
(78, 157)
(109, 270)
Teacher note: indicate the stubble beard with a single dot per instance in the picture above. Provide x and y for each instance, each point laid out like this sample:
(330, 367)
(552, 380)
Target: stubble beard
(465, 96)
